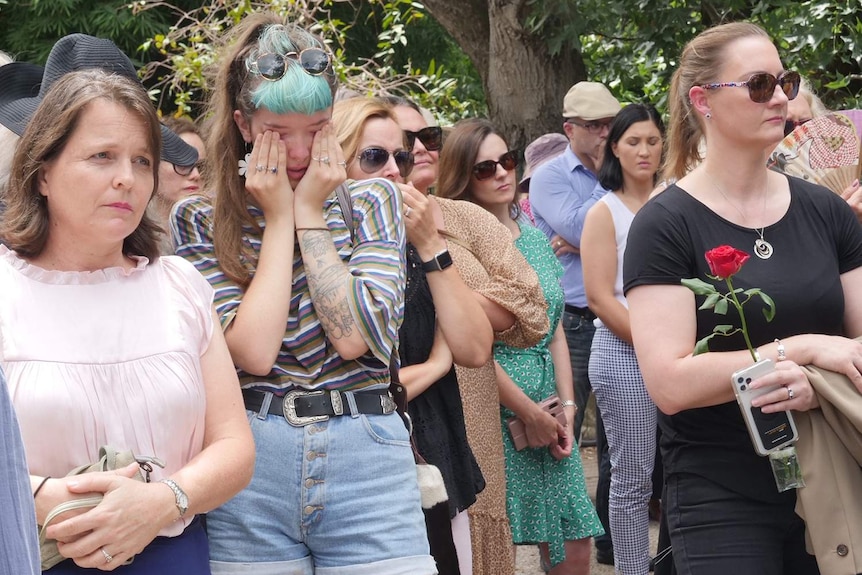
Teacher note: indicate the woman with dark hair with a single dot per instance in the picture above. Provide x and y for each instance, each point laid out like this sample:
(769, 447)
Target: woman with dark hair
(546, 497)
(631, 160)
(507, 289)
(309, 287)
(724, 511)
(144, 370)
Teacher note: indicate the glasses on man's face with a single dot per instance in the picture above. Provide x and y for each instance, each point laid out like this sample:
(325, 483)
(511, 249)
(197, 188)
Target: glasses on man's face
(761, 86)
(591, 127)
(790, 125)
(487, 169)
(186, 171)
(431, 137)
(373, 159)
(271, 66)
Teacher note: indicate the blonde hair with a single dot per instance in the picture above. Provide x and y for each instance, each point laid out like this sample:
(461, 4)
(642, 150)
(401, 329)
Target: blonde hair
(700, 63)
(26, 223)
(235, 88)
(350, 116)
(816, 105)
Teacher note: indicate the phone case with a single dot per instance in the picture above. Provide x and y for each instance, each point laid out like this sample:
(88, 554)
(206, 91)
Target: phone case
(769, 431)
(518, 430)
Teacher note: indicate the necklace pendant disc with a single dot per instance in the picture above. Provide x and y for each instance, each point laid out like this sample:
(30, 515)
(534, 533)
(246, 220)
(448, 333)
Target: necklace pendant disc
(762, 249)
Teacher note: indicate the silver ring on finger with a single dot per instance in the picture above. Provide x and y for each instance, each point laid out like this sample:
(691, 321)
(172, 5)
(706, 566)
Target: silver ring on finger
(342, 163)
(260, 167)
(789, 393)
(325, 160)
(273, 170)
(108, 556)
(407, 211)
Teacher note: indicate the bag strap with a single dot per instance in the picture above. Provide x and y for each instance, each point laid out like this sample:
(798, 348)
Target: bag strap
(342, 192)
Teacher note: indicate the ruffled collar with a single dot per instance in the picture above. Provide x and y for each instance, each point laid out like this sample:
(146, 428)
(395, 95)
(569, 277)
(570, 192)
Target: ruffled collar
(69, 277)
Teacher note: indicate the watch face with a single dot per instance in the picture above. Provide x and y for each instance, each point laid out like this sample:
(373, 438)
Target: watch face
(444, 260)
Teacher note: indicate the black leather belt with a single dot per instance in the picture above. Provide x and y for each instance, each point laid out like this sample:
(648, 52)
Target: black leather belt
(300, 407)
(584, 312)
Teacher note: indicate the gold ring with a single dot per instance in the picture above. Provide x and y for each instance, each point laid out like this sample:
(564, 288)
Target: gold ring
(108, 556)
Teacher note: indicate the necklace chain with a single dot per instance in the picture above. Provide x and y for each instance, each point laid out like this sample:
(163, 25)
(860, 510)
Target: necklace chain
(762, 248)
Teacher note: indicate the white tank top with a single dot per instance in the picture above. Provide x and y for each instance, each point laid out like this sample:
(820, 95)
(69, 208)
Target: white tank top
(622, 217)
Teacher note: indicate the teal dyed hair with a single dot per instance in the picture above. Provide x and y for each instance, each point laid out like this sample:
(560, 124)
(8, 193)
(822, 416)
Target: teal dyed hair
(296, 92)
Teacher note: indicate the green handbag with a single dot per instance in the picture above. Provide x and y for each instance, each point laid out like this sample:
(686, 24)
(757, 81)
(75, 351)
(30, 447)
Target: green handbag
(110, 458)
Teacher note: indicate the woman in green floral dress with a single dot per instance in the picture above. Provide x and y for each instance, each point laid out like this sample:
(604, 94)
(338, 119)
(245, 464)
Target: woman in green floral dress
(546, 494)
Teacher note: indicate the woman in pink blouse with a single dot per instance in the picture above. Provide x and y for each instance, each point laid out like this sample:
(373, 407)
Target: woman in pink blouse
(105, 343)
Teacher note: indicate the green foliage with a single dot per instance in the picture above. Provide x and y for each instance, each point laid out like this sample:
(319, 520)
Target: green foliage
(28, 30)
(632, 45)
(367, 38)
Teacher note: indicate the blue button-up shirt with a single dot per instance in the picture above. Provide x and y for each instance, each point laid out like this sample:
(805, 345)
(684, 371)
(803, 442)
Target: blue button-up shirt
(562, 191)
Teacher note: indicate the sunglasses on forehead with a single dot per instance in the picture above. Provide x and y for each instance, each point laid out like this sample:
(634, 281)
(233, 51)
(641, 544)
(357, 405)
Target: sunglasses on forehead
(372, 159)
(487, 169)
(761, 86)
(431, 137)
(271, 66)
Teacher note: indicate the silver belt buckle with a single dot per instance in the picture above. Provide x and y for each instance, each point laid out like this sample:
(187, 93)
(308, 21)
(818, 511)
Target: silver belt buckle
(387, 403)
(289, 408)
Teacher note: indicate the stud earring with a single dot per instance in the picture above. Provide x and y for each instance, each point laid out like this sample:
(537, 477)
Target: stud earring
(707, 115)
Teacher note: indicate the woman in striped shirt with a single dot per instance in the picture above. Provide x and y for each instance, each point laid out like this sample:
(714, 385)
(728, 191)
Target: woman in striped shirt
(310, 299)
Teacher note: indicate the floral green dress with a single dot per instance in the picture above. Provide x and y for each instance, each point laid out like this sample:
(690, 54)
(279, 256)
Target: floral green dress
(546, 499)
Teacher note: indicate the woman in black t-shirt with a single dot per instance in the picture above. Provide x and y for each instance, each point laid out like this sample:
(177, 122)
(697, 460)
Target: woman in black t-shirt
(724, 512)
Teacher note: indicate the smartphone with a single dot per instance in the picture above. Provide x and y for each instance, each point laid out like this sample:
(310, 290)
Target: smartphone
(769, 431)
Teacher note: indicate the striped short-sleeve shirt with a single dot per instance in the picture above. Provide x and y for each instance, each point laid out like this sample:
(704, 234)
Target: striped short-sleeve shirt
(377, 277)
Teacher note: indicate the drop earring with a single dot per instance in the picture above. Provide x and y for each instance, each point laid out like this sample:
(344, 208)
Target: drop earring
(243, 164)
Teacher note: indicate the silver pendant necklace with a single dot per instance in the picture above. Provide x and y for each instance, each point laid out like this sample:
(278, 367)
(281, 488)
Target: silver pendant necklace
(762, 248)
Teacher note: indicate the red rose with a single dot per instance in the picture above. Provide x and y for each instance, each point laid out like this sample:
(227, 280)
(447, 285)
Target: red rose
(725, 261)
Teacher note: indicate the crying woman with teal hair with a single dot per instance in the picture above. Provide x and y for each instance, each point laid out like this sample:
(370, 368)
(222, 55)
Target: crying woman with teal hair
(309, 276)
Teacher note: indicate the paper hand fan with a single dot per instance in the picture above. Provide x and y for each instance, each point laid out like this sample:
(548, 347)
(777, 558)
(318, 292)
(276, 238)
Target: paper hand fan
(824, 150)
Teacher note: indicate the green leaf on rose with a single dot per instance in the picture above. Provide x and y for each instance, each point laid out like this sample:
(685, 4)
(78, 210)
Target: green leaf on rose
(721, 306)
(710, 301)
(723, 329)
(769, 312)
(698, 286)
(702, 345)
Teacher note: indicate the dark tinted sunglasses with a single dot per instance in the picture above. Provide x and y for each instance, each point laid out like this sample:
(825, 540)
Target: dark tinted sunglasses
(372, 159)
(790, 125)
(487, 169)
(431, 137)
(186, 171)
(762, 85)
(272, 67)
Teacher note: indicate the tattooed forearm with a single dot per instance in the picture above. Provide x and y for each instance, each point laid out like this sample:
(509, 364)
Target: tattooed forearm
(327, 282)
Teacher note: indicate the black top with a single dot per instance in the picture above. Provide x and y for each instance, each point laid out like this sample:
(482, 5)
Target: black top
(437, 413)
(818, 239)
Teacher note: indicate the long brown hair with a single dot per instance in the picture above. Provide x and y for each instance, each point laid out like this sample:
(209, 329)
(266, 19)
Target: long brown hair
(25, 224)
(458, 157)
(234, 88)
(700, 63)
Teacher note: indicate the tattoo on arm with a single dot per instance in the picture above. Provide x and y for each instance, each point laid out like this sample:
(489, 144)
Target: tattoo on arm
(327, 283)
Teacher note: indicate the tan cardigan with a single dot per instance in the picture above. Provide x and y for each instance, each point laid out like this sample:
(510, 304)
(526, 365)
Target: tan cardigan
(830, 454)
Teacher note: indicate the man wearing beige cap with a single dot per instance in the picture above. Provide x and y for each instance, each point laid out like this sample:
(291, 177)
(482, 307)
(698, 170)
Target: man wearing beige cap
(561, 193)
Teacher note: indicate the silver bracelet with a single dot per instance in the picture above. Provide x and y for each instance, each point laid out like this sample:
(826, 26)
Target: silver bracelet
(568, 403)
(782, 352)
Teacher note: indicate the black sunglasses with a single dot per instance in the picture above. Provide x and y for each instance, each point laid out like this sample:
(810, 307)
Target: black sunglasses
(790, 125)
(761, 86)
(271, 66)
(372, 159)
(487, 169)
(186, 171)
(431, 137)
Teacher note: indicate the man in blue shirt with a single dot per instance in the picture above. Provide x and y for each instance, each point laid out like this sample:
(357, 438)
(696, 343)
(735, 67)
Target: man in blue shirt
(561, 193)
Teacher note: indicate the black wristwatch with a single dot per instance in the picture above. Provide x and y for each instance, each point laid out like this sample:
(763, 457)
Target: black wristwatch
(439, 262)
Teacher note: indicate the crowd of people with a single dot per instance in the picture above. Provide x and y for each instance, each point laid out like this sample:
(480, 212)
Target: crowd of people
(281, 318)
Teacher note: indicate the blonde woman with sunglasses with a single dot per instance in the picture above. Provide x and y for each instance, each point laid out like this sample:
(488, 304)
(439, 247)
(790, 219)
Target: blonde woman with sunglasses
(723, 509)
(310, 299)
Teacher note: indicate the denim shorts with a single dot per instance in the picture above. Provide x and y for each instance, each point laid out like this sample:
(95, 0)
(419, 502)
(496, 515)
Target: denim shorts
(337, 497)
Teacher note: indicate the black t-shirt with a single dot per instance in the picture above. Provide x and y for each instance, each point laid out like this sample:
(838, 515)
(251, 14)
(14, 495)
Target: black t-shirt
(818, 239)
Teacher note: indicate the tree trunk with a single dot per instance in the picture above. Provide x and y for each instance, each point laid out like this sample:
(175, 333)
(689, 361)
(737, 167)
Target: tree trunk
(524, 84)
